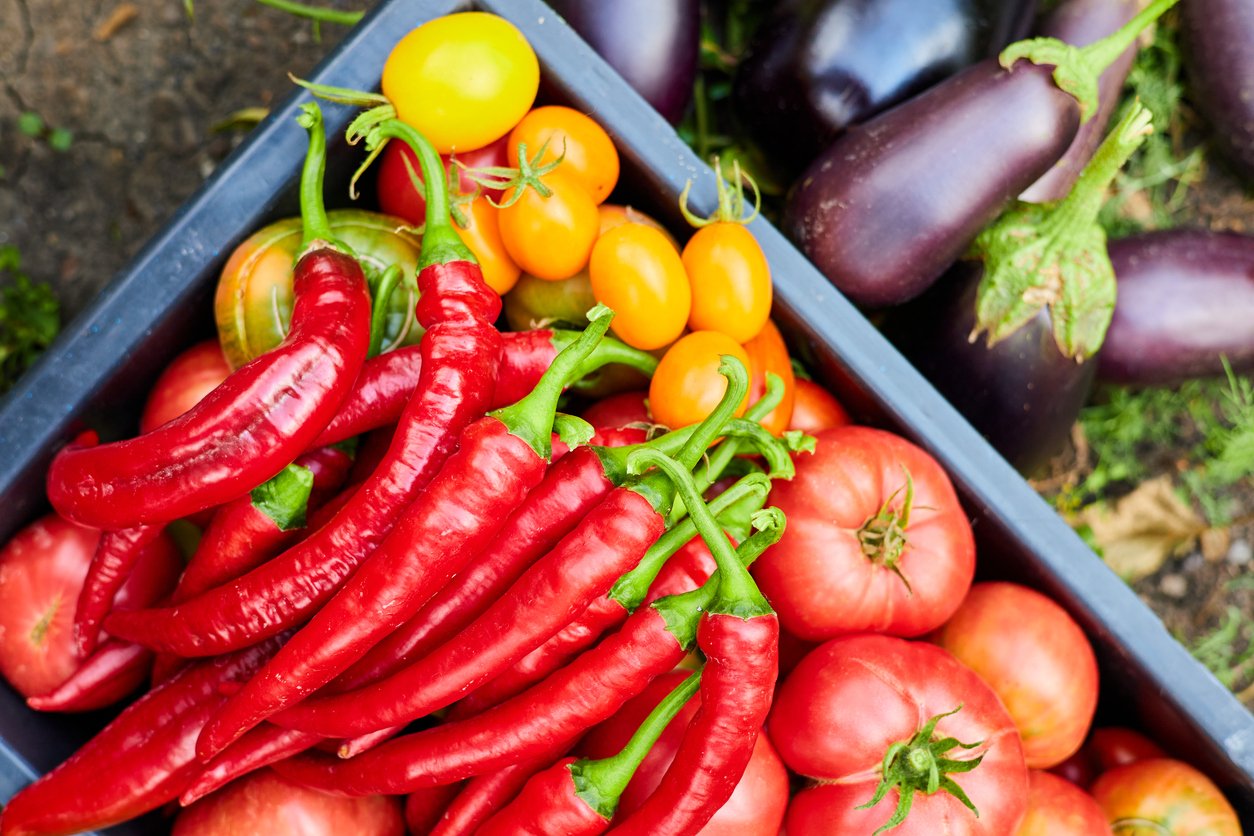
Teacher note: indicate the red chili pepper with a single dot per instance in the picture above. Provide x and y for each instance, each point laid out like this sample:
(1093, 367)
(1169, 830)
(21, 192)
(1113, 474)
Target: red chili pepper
(739, 636)
(424, 808)
(577, 797)
(250, 427)
(114, 670)
(460, 351)
(543, 721)
(387, 381)
(138, 762)
(500, 458)
(482, 796)
(115, 557)
(261, 747)
(242, 535)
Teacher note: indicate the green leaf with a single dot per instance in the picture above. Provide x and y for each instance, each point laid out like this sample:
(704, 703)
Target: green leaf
(30, 124)
(285, 497)
(60, 139)
(30, 317)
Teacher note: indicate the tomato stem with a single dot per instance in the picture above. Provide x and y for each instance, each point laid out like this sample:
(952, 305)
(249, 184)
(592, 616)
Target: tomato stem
(517, 180)
(731, 198)
(883, 535)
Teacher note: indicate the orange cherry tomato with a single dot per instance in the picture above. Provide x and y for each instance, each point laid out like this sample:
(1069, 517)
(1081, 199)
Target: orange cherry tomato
(1164, 796)
(638, 274)
(768, 353)
(551, 237)
(815, 409)
(731, 282)
(615, 215)
(483, 237)
(687, 386)
(590, 155)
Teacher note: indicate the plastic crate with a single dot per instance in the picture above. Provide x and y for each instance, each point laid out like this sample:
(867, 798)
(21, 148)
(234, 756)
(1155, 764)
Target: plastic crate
(104, 361)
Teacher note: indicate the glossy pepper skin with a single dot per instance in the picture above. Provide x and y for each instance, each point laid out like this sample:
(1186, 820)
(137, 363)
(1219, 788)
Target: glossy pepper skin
(482, 796)
(115, 557)
(242, 433)
(113, 670)
(547, 805)
(141, 760)
(261, 747)
(737, 685)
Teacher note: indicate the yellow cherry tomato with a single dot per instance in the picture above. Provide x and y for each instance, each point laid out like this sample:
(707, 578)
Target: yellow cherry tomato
(550, 237)
(731, 282)
(638, 274)
(589, 152)
(463, 80)
(613, 214)
(768, 353)
(687, 386)
(483, 237)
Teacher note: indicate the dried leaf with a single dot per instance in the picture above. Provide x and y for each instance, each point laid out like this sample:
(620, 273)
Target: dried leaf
(123, 14)
(1142, 529)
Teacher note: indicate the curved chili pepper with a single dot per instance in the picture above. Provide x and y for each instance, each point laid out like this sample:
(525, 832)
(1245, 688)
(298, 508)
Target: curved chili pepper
(114, 670)
(481, 796)
(610, 540)
(115, 557)
(250, 427)
(460, 353)
(571, 488)
(578, 797)
(242, 536)
(546, 719)
(424, 808)
(138, 762)
(261, 747)
(500, 458)
(739, 636)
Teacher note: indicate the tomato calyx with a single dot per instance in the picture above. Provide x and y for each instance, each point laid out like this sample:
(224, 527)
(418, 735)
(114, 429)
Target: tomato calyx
(516, 180)
(883, 535)
(731, 199)
(1133, 822)
(919, 765)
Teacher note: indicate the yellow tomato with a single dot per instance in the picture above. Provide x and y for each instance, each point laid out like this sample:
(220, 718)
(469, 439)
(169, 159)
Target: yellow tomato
(590, 155)
(463, 80)
(731, 282)
(613, 214)
(551, 237)
(687, 386)
(638, 274)
(483, 237)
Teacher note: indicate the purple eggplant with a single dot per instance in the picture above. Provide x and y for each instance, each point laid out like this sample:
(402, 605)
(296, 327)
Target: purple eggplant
(652, 43)
(1081, 22)
(1022, 394)
(818, 66)
(895, 201)
(1186, 299)
(1219, 56)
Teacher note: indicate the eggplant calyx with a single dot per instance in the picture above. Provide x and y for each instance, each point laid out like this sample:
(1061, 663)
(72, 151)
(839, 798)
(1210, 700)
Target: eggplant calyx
(883, 535)
(919, 765)
(1053, 255)
(731, 199)
(1077, 69)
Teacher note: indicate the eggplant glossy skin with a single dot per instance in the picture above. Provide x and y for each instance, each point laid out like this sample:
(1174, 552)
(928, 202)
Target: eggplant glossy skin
(819, 66)
(1080, 23)
(653, 44)
(1218, 40)
(1185, 298)
(895, 201)
(1022, 394)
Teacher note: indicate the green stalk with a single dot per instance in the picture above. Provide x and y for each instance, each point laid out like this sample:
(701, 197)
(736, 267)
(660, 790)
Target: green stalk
(601, 783)
(379, 309)
(313, 211)
(315, 13)
(531, 418)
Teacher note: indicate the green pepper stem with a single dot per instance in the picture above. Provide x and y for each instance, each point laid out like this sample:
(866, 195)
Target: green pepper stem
(614, 459)
(737, 593)
(313, 212)
(379, 309)
(531, 418)
(316, 13)
(632, 588)
(601, 783)
(737, 377)
(1077, 69)
(682, 613)
(440, 242)
(613, 351)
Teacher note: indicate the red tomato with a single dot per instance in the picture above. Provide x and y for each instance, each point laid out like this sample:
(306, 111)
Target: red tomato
(1036, 658)
(755, 808)
(189, 377)
(619, 410)
(264, 802)
(41, 574)
(397, 195)
(841, 709)
(850, 560)
(1057, 807)
(814, 409)
(1173, 796)
(768, 353)
(1113, 746)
